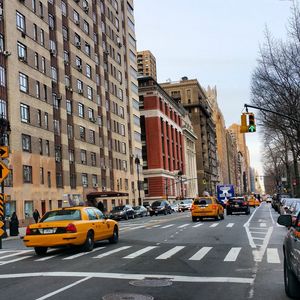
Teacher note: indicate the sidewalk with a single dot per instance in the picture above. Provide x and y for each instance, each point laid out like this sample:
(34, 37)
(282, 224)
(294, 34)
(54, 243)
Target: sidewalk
(22, 231)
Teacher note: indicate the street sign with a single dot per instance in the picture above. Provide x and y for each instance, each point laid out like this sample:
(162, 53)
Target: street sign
(1, 232)
(4, 151)
(4, 171)
(1, 224)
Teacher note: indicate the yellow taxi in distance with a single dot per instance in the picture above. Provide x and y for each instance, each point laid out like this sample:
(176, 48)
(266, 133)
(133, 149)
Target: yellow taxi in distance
(71, 226)
(253, 201)
(206, 207)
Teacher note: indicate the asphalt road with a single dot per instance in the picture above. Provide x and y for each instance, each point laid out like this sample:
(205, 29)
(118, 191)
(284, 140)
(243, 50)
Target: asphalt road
(163, 257)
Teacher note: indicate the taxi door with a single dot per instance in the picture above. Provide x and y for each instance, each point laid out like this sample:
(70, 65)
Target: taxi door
(103, 229)
(294, 240)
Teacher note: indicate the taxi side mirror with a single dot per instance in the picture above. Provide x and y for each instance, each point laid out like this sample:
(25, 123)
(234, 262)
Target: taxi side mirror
(285, 220)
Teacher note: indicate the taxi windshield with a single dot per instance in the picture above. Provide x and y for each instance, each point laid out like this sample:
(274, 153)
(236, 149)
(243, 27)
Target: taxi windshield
(202, 201)
(61, 215)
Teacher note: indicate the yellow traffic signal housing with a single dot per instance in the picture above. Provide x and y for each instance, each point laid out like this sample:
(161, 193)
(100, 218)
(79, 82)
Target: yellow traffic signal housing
(244, 125)
(251, 125)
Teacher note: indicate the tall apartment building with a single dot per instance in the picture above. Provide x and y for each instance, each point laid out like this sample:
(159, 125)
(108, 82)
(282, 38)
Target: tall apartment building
(194, 99)
(69, 90)
(223, 174)
(163, 142)
(146, 64)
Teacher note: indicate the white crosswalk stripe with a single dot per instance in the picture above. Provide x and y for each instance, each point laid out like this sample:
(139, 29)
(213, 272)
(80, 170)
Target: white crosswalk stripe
(140, 252)
(230, 225)
(15, 253)
(184, 225)
(214, 225)
(112, 251)
(82, 253)
(233, 254)
(273, 256)
(201, 253)
(263, 225)
(198, 225)
(167, 226)
(13, 260)
(170, 253)
(46, 257)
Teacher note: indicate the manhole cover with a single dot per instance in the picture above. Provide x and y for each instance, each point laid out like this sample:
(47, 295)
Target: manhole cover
(151, 282)
(127, 296)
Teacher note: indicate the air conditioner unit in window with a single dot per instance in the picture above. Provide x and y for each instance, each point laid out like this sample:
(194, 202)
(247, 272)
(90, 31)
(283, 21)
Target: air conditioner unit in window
(79, 68)
(22, 58)
(53, 52)
(119, 44)
(77, 22)
(78, 44)
(92, 119)
(86, 9)
(95, 185)
(80, 91)
(58, 97)
(66, 62)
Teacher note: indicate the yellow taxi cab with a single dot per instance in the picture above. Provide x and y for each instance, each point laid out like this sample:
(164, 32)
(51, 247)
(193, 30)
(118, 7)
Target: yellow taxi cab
(206, 207)
(252, 201)
(257, 202)
(72, 226)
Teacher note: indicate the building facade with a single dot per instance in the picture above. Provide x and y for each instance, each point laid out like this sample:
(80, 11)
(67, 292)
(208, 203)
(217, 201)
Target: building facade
(146, 63)
(194, 99)
(69, 90)
(163, 143)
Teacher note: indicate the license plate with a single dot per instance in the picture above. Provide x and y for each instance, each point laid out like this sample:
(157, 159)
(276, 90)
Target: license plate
(236, 205)
(48, 231)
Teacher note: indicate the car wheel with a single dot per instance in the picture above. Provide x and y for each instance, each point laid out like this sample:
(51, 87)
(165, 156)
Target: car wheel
(133, 216)
(115, 237)
(291, 284)
(248, 212)
(89, 242)
(200, 218)
(126, 217)
(194, 219)
(228, 212)
(222, 216)
(40, 250)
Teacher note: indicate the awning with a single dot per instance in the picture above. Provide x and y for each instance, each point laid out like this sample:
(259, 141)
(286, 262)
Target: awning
(108, 194)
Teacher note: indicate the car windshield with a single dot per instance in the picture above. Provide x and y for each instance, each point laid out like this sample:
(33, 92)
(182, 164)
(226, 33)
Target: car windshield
(157, 203)
(118, 208)
(202, 201)
(136, 207)
(62, 215)
(187, 201)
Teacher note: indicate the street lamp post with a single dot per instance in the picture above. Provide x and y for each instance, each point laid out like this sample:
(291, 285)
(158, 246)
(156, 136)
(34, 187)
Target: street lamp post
(137, 161)
(180, 174)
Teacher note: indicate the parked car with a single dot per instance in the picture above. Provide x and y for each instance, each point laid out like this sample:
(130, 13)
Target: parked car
(140, 211)
(70, 226)
(185, 204)
(269, 200)
(122, 212)
(285, 206)
(160, 207)
(237, 204)
(175, 207)
(291, 250)
(277, 201)
(207, 207)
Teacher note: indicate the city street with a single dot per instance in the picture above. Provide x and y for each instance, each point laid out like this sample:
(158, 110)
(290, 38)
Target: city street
(162, 257)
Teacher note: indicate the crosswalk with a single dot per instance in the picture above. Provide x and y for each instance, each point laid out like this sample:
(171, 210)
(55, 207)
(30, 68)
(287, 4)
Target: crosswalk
(155, 252)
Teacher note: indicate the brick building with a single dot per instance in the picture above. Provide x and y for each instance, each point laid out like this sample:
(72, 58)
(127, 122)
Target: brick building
(162, 142)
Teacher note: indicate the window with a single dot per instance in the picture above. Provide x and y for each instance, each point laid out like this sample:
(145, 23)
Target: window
(70, 131)
(26, 142)
(33, 5)
(71, 156)
(27, 174)
(82, 132)
(80, 110)
(46, 119)
(93, 159)
(83, 157)
(87, 49)
(136, 120)
(66, 57)
(3, 108)
(20, 19)
(94, 180)
(78, 62)
(41, 10)
(1, 43)
(36, 60)
(47, 148)
(88, 71)
(2, 76)
(39, 117)
(54, 74)
(56, 127)
(41, 146)
(35, 32)
(92, 136)
(65, 33)
(23, 82)
(43, 65)
(86, 27)
(69, 107)
(25, 115)
(42, 37)
(84, 179)
(63, 8)
(58, 154)
(89, 93)
(76, 17)
(51, 22)
(41, 175)
(77, 40)
(22, 51)
(79, 86)
(49, 178)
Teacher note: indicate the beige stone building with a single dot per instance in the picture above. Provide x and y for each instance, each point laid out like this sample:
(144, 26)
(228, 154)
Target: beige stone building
(190, 157)
(146, 64)
(223, 170)
(69, 89)
(195, 101)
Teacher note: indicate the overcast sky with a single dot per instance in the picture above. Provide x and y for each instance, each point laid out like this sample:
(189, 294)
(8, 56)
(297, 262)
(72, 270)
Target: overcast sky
(215, 41)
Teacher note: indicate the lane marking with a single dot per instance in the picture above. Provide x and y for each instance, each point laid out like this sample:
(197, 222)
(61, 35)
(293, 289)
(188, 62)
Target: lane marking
(13, 260)
(15, 254)
(126, 276)
(82, 253)
(167, 226)
(198, 225)
(258, 238)
(230, 225)
(46, 257)
(140, 252)
(258, 254)
(246, 226)
(273, 256)
(155, 226)
(258, 228)
(258, 232)
(233, 254)
(182, 226)
(64, 288)
(214, 225)
(112, 251)
(263, 225)
(273, 222)
(201, 253)
(170, 253)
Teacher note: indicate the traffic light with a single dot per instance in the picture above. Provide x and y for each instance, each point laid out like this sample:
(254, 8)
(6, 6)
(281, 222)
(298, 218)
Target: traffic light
(244, 126)
(251, 126)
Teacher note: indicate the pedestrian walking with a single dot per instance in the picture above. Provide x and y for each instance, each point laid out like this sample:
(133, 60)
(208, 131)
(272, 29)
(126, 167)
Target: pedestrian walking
(14, 225)
(100, 206)
(36, 215)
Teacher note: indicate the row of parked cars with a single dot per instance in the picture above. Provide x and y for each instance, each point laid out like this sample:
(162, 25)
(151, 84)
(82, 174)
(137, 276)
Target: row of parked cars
(289, 210)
